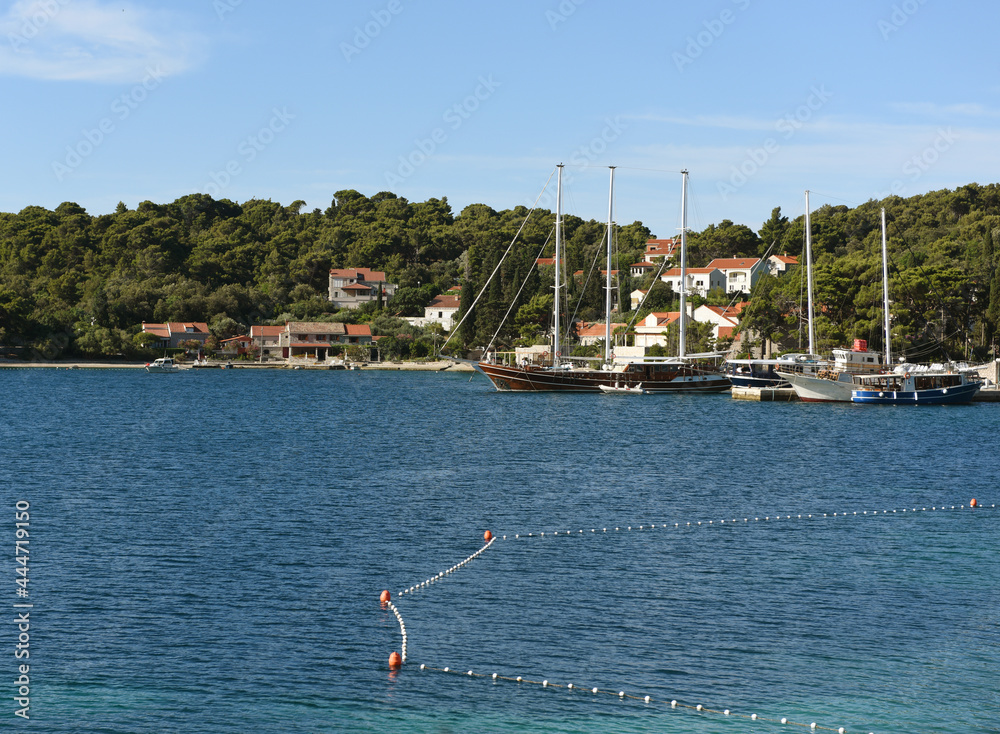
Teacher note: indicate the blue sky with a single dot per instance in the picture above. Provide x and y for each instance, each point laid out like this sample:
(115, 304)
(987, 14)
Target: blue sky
(128, 101)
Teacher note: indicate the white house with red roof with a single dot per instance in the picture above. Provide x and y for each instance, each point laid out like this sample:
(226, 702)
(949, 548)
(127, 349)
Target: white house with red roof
(592, 332)
(741, 272)
(778, 264)
(656, 250)
(637, 270)
(172, 333)
(724, 319)
(351, 287)
(650, 330)
(699, 280)
(442, 310)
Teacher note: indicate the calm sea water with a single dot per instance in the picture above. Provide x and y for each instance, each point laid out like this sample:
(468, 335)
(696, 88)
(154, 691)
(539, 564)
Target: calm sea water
(207, 552)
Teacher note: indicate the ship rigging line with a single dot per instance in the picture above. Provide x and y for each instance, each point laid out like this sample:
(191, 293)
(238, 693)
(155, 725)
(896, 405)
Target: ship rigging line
(519, 292)
(497, 268)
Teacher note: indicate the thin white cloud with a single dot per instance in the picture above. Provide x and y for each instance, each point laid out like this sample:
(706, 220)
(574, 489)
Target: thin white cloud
(932, 109)
(86, 40)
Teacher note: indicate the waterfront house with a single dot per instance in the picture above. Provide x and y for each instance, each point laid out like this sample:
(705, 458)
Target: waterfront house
(265, 340)
(351, 287)
(172, 333)
(237, 345)
(320, 340)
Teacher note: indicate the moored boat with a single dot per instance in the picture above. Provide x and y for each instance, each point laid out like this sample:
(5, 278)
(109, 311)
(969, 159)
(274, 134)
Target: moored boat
(162, 365)
(619, 389)
(914, 385)
(683, 373)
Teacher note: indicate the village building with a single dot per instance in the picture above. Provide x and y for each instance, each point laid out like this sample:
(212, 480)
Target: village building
(699, 280)
(741, 273)
(657, 250)
(320, 340)
(265, 341)
(778, 264)
(724, 319)
(592, 332)
(236, 345)
(636, 297)
(637, 270)
(441, 310)
(351, 287)
(649, 331)
(171, 334)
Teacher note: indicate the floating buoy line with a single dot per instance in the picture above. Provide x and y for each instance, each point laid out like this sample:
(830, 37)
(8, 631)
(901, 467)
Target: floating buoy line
(396, 660)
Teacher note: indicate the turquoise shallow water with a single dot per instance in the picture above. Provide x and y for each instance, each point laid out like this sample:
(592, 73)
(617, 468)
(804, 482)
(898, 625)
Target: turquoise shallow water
(208, 550)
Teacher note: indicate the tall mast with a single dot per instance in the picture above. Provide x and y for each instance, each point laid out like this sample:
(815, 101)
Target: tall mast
(809, 277)
(683, 317)
(607, 280)
(555, 335)
(885, 294)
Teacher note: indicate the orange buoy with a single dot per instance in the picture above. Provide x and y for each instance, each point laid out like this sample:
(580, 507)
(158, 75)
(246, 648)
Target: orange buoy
(973, 502)
(487, 536)
(394, 660)
(385, 596)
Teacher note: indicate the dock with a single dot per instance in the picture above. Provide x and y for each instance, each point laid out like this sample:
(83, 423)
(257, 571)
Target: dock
(987, 395)
(764, 394)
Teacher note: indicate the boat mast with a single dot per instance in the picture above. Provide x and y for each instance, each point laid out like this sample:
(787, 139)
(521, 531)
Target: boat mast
(885, 294)
(809, 277)
(607, 281)
(555, 335)
(683, 316)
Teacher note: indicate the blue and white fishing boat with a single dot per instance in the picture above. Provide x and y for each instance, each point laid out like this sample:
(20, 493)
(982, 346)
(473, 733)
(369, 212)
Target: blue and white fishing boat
(911, 384)
(859, 376)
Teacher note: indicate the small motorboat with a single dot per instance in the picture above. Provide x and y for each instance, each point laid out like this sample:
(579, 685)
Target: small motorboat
(623, 389)
(163, 365)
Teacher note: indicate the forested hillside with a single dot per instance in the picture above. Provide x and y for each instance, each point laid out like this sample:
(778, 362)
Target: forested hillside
(73, 283)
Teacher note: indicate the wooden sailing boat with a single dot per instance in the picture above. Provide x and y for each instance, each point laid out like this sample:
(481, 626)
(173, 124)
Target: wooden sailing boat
(684, 373)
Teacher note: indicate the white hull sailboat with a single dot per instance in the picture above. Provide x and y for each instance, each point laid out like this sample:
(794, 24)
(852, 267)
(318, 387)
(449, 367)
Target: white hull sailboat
(858, 376)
